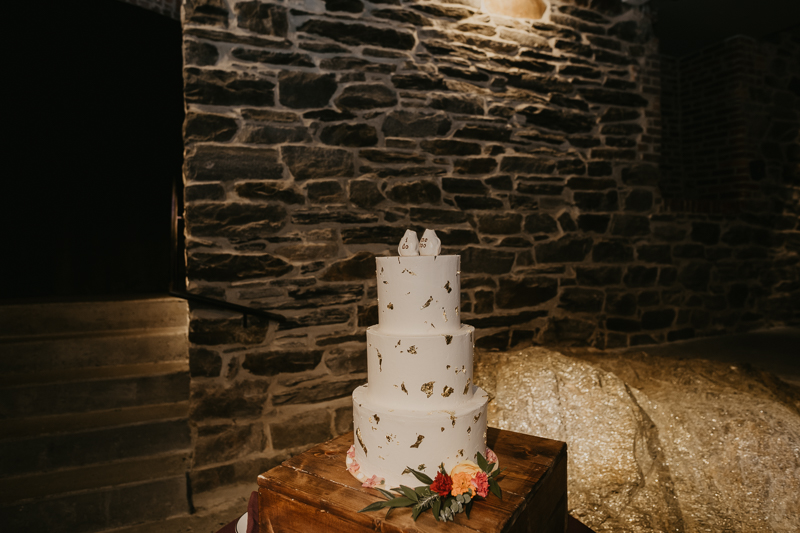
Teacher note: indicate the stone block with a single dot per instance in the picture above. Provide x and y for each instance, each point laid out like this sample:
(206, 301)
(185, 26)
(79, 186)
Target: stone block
(639, 200)
(695, 276)
(593, 223)
(450, 147)
(486, 261)
(206, 12)
(478, 202)
(359, 34)
(273, 362)
(640, 276)
(343, 420)
(226, 163)
(357, 135)
(239, 221)
(224, 442)
(208, 127)
(625, 325)
(270, 191)
(415, 193)
(341, 361)
(658, 319)
(372, 234)
(500, 224)
(366, 96)
(357, 267)
(460, 104)
(309, 162)
(204, 363)
(437, 216)
(494, 342)
(596, 201)
(566, 249)
(540, 223)
(654, 253)
(197, 54)
(616, 251)
(216, 331)
(415, 124)
(688, 251)
(203, 191)
(621, 303)
(225, 88)
(580, 300)
(266, 19)
(630, 225)
(591, 184)
(243, 400)
(316, 391)
(558, 120)
(301, 90)
(528, 291)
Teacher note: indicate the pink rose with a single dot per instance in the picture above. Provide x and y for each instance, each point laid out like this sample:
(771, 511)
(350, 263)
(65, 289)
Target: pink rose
(351, 453)
(490, 456)
(481, 484)
(372, 482)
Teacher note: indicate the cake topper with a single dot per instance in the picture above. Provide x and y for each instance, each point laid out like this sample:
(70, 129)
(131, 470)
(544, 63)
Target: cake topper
(409, 245)
(430, 243)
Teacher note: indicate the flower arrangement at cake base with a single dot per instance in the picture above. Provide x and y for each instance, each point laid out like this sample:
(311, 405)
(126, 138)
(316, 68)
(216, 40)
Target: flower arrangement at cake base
(446, 495)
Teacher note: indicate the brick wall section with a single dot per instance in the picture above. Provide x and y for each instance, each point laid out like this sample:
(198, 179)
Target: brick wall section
(317, 132)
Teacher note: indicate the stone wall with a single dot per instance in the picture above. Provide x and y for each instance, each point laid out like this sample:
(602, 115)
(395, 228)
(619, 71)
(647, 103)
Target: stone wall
(169, 8)
(318, 131)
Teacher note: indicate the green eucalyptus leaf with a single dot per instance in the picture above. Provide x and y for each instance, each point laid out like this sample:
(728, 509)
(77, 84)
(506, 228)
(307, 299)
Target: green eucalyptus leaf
(424, 478)
(409, 493)
(386, 493)
(417, 511)
(436, 507)
(468, 508)
(373, 507)
(398, 502)
(442, 470)
(389, 510)
(495, 488)
(482, 462)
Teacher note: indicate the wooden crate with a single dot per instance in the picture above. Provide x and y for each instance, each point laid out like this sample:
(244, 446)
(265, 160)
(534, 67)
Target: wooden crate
(314, 492)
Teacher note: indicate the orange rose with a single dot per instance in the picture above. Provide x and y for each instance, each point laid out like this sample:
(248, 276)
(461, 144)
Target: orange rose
(463, 474)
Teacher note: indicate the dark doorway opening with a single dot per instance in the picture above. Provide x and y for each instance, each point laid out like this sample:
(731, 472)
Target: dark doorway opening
(98, 109)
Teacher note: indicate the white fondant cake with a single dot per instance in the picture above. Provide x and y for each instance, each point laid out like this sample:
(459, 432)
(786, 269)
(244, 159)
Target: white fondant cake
(420, 407)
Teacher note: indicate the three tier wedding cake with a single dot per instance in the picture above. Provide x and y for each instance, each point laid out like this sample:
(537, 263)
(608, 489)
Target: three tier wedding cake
(420, 408)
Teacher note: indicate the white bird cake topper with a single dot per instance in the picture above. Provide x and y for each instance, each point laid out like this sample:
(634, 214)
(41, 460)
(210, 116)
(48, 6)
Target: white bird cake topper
(430, 243)
(409, 245)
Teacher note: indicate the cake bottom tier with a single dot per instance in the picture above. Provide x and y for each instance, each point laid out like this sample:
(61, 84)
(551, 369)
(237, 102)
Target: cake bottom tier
(388, 440)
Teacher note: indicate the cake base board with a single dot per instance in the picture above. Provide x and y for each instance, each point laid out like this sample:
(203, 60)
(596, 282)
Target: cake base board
(314, 492)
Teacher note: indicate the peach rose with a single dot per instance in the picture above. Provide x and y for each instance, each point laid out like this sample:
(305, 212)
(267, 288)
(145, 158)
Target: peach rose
(468, 467)
(463, 474)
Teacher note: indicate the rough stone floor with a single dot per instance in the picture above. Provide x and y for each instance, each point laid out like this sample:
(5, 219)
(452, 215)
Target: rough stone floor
(775, 350)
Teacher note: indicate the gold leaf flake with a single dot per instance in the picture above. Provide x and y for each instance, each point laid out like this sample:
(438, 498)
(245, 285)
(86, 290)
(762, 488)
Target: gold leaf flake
(407, 270)
(380, 361)
(448, 339)
(412, 350)
(448, 367)
(447, 286)
(385, 282)
(390, 306)
(453, 419)
(421, 467)
(469, 430)
(406, 471)
(379, 457)
(398, 343)
(388, 438)
(361, 442)
(377, 418)
(403, 387)
(447, 391)
(427, 388)
(466, 387)
(426, 304)
(419, 441)
(477, 417)
(444, 314)
(442, 429)
(456, 310)
(461, 452)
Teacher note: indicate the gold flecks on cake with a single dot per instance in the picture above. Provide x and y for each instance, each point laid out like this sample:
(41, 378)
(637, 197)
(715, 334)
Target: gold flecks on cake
(447, 391)
(412, 350)
(427, 388)
(456, 310)
(466, 387)
(398, 343)
(442, 429)
(461, 452)
(453, 419)
(380, 361)
(444, 314)
(426, 304)
(361, 442)
(385, 282)
(469, 430)
(370, 420)
(381, 457)
(448, 288)
(403, 387)
(421, 467)
(448, 367)
(419, 441)
(377, 418)
(448, 339)
(388, 438)
(390, 305)
(475, 419)
(406, 471)
(407, 270)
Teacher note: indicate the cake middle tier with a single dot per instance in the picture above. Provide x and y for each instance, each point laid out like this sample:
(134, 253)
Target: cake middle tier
(420, 371)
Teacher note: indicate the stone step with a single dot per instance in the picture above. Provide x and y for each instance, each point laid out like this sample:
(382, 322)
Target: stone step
(21, 428)
(42, 485)
(90, 511)
(93, 349)
(45, 453)
(18, 321)
(83, 390)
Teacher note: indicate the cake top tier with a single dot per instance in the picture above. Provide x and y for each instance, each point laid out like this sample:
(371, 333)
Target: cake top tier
(419, 294)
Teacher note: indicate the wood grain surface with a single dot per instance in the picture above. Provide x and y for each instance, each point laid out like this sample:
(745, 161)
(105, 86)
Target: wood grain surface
(314, 491)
